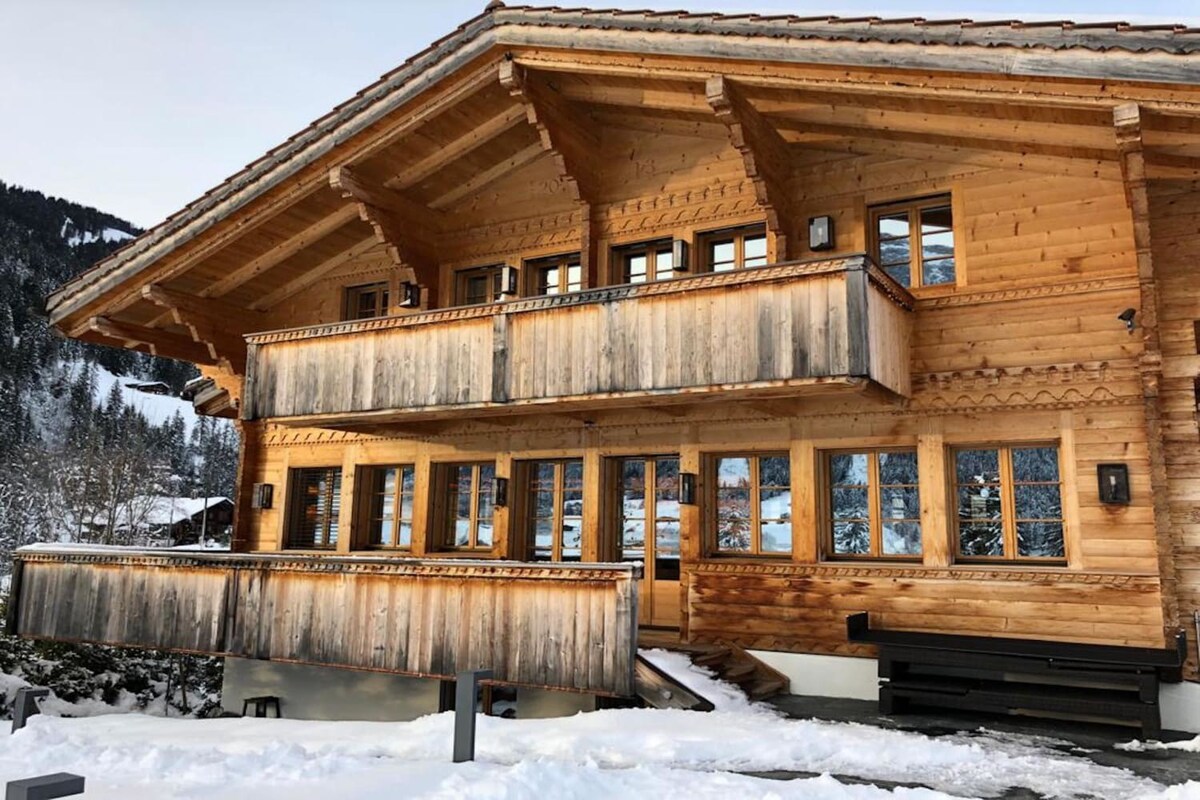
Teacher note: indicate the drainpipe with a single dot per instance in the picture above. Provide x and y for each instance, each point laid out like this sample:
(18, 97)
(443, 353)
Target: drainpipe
(1196, 619)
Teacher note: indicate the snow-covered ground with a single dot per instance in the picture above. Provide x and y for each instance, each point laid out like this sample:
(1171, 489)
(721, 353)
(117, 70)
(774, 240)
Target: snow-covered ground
(630, 753)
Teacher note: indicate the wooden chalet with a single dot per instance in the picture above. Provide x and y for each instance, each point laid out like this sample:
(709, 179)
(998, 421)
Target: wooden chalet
(585, 323)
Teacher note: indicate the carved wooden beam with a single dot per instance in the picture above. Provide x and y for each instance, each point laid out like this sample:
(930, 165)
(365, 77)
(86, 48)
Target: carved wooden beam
(563, 131)
(212, 323)
(764, 154)
(153, 341)
(406, 228)
(1128, 126)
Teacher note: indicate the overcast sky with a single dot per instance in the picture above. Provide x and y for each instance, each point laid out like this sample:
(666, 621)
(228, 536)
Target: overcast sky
(137, 107)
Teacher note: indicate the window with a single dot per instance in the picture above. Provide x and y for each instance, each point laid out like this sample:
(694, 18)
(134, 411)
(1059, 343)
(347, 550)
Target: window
(365, 302)
(645, 261)
(316, 499)
(555, 510)
(1009, 503)
(738, 248)
(479, 285)
(388, 505)
(913, 241)
(648, 514)
(555, 275)
(467, 522)
(753, 504)
(874, 506)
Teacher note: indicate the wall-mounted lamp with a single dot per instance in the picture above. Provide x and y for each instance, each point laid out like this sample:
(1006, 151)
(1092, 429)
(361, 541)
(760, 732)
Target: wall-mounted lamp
(1114, 484)
(687, 488)
(1127, 316)
(262, 495)
(500, 492)
(410, 295)
(680, 256)
(508, 282)
(820, 233)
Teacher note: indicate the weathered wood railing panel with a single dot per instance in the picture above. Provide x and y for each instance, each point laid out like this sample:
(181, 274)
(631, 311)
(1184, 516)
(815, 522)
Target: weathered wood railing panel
(775, 328)
(550, 625)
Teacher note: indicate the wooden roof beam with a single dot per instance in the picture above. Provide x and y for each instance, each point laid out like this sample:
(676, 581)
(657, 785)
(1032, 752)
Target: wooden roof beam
(403, 226)
(315, 274)
(563, 130)
(216, 326)
(482, 180)
(764, 154)
(452, 151)
(153, 341)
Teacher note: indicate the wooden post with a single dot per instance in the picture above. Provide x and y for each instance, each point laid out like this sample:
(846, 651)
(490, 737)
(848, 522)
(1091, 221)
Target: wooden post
(932, 480)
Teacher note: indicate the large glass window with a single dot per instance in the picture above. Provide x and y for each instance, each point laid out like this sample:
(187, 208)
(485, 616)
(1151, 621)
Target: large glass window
(1009, 503)
(874, 505)
(479, 285)
(315, 500)
(648, 516)
(913, 241)
(555, 275)
(388, 505)
(753, 504)
(555, 510)
(645, 261)
(468, 511)
(365, 302)
(737, 248)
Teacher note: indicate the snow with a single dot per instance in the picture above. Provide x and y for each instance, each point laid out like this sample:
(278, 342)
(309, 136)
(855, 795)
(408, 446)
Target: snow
(155, 511)
(1138, 746)
(76, 237)
(156, 408)
(612, 753)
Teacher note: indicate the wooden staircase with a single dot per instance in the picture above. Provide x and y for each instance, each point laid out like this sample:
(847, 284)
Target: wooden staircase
(730, 663)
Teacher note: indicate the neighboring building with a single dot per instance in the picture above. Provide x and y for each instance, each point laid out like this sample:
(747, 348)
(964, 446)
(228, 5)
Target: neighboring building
(157, 521)
(811, 316)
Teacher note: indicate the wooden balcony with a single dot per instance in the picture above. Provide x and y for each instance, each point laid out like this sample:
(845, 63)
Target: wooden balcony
(816, 327)
(560, 626)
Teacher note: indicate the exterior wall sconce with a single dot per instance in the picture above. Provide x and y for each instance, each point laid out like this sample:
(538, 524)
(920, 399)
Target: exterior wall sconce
(508, 283)
(410, 295)
(1114, 484)
(681, 260)
(687, 488)
(820, 233)
(1127, 316)
(500, 492)
(262, 495)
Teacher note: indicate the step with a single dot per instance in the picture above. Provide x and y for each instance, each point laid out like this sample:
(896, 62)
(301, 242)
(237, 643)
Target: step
(738, 672)
(711, 657)
(762, 688)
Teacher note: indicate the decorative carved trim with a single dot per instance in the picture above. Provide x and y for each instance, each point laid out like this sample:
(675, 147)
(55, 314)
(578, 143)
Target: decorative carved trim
(1021, 574)
(1044, 386)
(968, 298)
(669, 211)
(450, 567)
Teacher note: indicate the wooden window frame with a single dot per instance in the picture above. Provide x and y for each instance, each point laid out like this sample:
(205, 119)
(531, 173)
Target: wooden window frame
(382, 290)
(533, 268)
(365, 505)
(712, 516)
(1008, 504)
(330, 530)
(651, 248)
(874, 505)
(738, 235)
(446, 511)
(495, 289)
(528, 509)
(914, 206)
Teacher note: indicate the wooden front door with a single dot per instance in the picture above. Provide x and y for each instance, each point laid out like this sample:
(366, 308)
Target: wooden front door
(644, 526)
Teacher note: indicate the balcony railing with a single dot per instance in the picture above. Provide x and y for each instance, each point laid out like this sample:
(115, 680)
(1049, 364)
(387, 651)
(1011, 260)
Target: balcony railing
(559, 626)
(783, 330)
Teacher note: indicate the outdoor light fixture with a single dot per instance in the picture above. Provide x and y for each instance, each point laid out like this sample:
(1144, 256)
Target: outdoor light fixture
(820, 233)
(1127, 316)
(500, 493)
(680, 257)
(410, 295)
(508, 283)
(262, 495)
(687, 488)
(1114, 484)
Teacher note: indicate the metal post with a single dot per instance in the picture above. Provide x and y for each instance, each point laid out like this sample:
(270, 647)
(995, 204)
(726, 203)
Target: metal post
(45, 787)
(25, 705)
(466, 692)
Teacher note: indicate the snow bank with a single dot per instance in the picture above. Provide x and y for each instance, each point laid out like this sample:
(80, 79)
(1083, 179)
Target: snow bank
(625, 752)
(156, 408)
(1138, 746)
